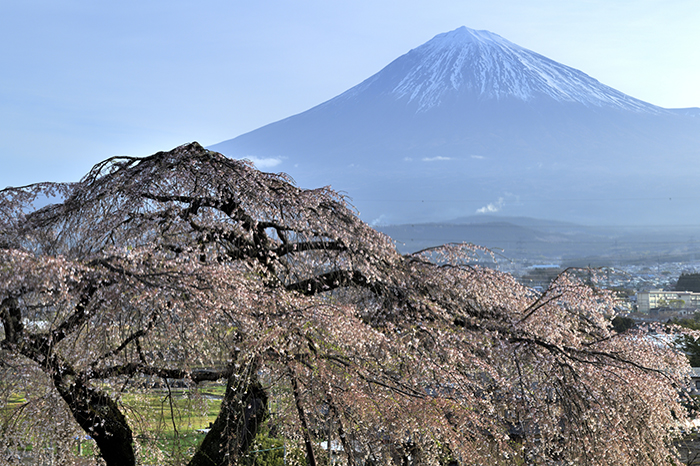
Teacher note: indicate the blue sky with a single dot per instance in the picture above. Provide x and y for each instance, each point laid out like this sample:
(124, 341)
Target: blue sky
(83, 80)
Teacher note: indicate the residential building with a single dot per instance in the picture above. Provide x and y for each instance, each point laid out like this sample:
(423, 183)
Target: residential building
(654, 299)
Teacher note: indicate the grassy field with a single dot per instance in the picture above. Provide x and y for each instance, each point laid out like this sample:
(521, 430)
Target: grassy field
(167, 425)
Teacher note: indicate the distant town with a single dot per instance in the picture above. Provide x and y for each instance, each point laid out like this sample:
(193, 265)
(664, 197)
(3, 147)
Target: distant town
(646, 292)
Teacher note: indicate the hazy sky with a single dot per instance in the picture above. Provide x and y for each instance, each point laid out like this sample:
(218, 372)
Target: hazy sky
(83, 80)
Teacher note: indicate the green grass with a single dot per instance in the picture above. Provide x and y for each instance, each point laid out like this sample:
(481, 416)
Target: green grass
(15, 400)
(165, 424)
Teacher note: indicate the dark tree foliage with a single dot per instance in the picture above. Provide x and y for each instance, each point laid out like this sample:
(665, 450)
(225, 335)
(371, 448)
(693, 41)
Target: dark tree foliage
(688, 282)
(621, 324)
(689, 343)
(691, 347)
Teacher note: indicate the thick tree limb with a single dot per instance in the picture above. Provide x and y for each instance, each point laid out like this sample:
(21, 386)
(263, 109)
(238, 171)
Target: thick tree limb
(78, 317)
(288, 248)
(196, 376)
(329, 281)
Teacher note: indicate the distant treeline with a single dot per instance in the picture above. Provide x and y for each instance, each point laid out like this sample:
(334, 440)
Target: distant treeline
(689, 282)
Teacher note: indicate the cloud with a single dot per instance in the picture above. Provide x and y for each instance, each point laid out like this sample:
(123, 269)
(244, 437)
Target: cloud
(492, 207)
(265, 163)
(379, 221)
(434, 159)
(478, 157)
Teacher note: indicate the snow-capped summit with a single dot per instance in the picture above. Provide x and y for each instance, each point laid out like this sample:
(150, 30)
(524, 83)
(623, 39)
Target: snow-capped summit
(468, 63)
(470, 122)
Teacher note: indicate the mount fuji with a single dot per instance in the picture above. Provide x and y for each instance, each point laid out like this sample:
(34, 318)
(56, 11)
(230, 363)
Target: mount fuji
(470, 123)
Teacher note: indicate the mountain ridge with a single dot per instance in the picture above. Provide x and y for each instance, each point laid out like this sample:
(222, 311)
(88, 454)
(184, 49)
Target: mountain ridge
(568, 244)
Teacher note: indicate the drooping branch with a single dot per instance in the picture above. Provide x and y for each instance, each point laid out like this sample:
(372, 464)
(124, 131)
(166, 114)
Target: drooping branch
(344, 440)
(586, 356)
(131, 338)
(306, 433)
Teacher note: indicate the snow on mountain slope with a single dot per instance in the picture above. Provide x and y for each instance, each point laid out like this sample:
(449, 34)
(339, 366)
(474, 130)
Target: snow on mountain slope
(487, 66)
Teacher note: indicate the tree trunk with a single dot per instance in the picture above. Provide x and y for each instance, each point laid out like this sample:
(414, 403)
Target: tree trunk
(101, 418)
(242, 412)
